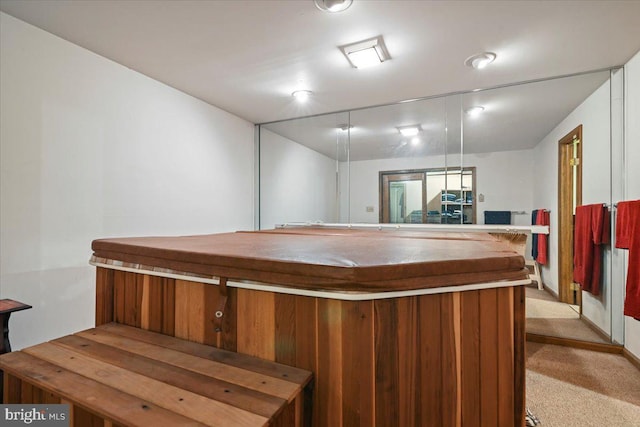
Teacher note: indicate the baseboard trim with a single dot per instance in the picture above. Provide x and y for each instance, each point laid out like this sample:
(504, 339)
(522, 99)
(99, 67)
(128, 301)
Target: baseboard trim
(595, 328)
(551, 291)
(570, 342)
(631, 358)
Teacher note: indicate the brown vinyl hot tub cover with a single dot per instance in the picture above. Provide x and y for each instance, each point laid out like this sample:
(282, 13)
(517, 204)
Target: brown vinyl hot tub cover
(329, 259)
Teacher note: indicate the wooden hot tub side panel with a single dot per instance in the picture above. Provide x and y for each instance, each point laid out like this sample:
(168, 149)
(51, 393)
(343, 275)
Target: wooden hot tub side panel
(451, 359)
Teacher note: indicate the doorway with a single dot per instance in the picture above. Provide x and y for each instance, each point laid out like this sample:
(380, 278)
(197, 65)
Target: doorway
(402, 197)
(569, 197)
(428, 196)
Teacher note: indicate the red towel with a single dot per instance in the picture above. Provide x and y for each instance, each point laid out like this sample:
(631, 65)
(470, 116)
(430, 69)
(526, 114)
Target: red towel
(543, 239)
(591, 231)
(628, 237)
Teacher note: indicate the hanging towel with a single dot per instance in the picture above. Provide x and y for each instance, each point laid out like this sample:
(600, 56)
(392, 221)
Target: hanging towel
(543, 239)
(590, 233)
(534, 236)
(628, 237)
(497, 217)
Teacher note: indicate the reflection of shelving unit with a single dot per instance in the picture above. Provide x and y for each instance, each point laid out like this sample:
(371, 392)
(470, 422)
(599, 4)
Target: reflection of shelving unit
(456, 204)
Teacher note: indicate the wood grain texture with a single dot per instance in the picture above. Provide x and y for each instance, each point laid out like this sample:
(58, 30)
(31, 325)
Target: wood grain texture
(489, 368)
(256, 318)
(387, 397)
(470, 353)
(160, 304)
(436, 341)
(107, 378)
(408, 361)
(519, 354)
(358, 402)
(328, 375)
(240, 376)
(192, 405)
(566, 211)
(78, 389)
(223, 391)
(225, 357)
(190, 310)
(285, 328)
(12, 388)
(454, 359)
(506, 379)
(104, 295)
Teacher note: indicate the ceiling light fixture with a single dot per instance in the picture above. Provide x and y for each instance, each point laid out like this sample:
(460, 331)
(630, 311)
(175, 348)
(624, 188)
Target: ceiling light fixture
(333, 6)
(302, 95)
(366, 53)
(474, 111)
(480, 60)
(345, 127)
(412, 130)
(415, 140)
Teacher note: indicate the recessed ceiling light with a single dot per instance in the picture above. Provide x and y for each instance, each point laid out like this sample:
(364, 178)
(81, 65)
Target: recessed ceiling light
(366, 53)
(474, 111)
(333, 5)
(302, 95)
(480, 60)
(415, 140)
(412, 130)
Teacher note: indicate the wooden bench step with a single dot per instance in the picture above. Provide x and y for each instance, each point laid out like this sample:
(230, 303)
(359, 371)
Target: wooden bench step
(134, 377)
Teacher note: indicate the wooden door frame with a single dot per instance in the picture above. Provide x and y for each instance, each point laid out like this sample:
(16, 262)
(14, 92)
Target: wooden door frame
(565, 213)
(388, 177)
(401, 175)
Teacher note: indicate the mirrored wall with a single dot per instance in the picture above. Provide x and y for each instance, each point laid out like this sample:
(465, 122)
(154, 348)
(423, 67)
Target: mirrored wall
(466, 158)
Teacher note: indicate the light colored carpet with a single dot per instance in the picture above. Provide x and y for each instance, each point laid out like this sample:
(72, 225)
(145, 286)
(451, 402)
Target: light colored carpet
(569, 387)
(547, 316)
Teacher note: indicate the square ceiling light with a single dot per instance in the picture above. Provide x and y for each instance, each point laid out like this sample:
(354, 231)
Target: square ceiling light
(412, 130)
(366, 53)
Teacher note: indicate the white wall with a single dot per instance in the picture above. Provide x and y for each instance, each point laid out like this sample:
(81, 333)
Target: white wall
(632, 138)
(91, 149)
(593, 114)
(297, 184)
(504, 178)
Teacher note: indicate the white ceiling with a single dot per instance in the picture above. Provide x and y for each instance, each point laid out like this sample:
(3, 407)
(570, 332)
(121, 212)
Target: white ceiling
(515, 118)
(247, 57)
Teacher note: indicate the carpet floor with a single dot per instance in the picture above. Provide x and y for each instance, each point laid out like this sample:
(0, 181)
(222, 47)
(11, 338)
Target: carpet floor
(547, 316)
(569, 387)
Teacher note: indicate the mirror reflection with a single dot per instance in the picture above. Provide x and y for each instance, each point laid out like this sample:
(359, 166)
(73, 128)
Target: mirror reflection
(428, 196)
(504, 156)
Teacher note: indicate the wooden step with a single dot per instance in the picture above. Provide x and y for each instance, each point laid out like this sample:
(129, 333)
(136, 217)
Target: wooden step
(129, 376)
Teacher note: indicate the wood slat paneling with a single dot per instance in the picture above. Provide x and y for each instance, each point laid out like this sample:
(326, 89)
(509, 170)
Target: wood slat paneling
(505, 357)
(210, 387)
(519, 354)
(84, 391)
(161, 305)
(83, 418)
(231, 359)
(104, 296)
(434, 342)
(470, 357)
(285, 328)
(386, 363)
(358, 403)
(451, 359)
(328, 377)
(183, 402)
(489, 370)
(256, 318)
(12, 388)
(408, 361)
